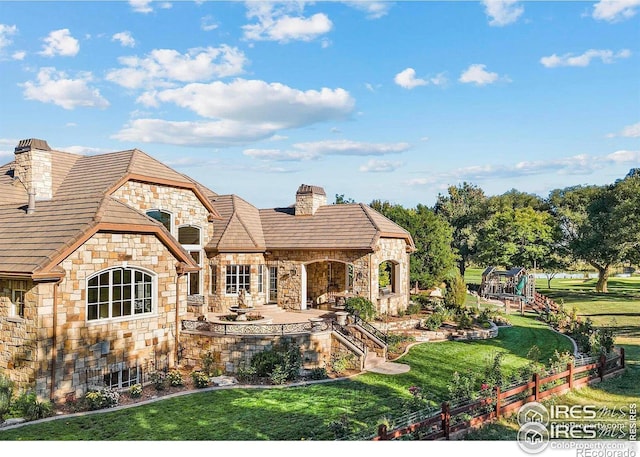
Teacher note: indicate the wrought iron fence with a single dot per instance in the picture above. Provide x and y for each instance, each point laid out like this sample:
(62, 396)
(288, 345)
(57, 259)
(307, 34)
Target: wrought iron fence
(122, 375)
(256, 329)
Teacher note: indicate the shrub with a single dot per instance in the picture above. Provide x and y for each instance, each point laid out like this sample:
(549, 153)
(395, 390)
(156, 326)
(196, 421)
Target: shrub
(432, 322)
(340, 427)
(462, 387)
(103, 398)
(360, 306)
(174, 377)
(6, 393)
(279, 375)
(211, 363)
(463, 319)
(158, 380)
(341, 362)
(200, 379)
(494, 373)
(417, 401)
(559, 361)
(318, 373)
(285, 360)
(456, 291)
(394, 340)
(30, 408)
(246, 373)
(135, 391)
(264, 362)
(413, 308)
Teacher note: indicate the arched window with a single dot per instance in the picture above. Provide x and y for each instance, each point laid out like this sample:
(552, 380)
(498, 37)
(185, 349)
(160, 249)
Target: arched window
(120, 292)
(388, 276)
(189, 237)
(164, 217)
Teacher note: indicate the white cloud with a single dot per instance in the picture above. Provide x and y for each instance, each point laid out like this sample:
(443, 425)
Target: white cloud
(193, 133)
(407, 79)
(83, 150)
(477, 75)
(141, 6)
(207, 24)
(581, 164)
(161, 67)
(380, 166)
(18, 55)
(55, 87)
(317, 149)
(502, 12)
(275, 23)
(60, 43)
(584, 59)
(615, 10)
(259, 102)
(372, 9)
(125, 39)
(631, 131)
(6, 31)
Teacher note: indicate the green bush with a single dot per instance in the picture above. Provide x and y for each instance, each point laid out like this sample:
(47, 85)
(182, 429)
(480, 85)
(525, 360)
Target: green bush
(341, 362)
(340, 427)
(135, 391)
(360, 306)
(456, 292)
(158, 380)
(413, 308)
(394, 340)
(265, 362)
(462, 387)
(432, 322)
(6, 394)
(463, 319)
(174, 377)
(211, 361)
(246, 373)
(279, 375)
(200, 379)
(30, 408)
(283, 360)
(318, 373)
(103, 398)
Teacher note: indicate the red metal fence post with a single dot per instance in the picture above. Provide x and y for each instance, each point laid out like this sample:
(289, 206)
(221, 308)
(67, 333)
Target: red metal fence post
(382, 432)
(446, 419)
(570, 368)
(536, 387)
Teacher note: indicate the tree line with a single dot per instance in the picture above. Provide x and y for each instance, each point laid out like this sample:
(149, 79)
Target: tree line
(598, 225)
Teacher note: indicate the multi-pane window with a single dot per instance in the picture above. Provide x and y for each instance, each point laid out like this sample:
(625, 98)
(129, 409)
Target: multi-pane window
(189, 238)
(119, 292)
(126, 377)
(273, 284)
(214, 279)
(238, 277)
(164, 217)
(260, 279)
(17, 299)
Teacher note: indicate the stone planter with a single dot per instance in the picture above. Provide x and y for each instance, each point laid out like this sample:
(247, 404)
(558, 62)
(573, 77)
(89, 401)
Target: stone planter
(341, 317)
(317, 323)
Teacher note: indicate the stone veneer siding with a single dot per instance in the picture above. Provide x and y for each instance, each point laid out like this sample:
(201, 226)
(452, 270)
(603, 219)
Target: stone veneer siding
(232, 352)
(185, 208)
(290, 285)
(392, 249)
(102, 344)
(19, 337)
(34, 169)
(308, 203)
(221, 301)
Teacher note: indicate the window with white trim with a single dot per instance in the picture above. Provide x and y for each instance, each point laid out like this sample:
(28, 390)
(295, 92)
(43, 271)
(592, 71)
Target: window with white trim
(189, 237)
(261, 279)
(238, 277)
(164, 217)
(17, 301)
(120, 292)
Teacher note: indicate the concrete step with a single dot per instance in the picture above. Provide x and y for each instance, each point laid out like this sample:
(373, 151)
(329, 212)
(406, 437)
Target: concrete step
(372, 360)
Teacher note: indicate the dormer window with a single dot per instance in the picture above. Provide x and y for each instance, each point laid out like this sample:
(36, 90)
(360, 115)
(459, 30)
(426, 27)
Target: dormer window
(164, 217)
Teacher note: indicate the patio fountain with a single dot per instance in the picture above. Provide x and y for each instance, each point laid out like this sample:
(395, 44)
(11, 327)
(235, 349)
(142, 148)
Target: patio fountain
(241, 309)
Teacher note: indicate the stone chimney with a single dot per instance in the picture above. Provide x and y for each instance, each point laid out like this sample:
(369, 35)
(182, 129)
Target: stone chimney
(33, 168)
(309, 199)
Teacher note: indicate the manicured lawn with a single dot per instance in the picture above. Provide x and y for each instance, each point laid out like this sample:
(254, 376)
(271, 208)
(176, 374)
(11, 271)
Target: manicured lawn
(300, 412)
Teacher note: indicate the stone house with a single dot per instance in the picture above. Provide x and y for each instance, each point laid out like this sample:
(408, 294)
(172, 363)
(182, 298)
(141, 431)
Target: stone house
(103, 257)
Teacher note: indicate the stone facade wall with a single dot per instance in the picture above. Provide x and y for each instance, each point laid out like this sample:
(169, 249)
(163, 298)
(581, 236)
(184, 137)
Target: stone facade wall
(221, 301)
(236, 351)
(104, 343)
(184, 206)
(318, 284)
(33, 168)
(308, 203)
(290, 264)
(394, 250)
(19, 336)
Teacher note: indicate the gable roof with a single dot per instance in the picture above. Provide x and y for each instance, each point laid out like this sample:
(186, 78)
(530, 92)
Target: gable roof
(239, 230)
(349, 226)
(34, 244)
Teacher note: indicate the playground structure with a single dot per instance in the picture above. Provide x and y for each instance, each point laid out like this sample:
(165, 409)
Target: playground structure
(514, 285)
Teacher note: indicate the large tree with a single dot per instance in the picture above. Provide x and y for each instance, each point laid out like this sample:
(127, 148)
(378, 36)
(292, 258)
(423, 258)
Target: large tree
(601, 224)
(432, 235)
(465, 208)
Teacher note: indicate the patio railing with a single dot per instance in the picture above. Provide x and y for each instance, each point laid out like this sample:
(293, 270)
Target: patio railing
(255, 329)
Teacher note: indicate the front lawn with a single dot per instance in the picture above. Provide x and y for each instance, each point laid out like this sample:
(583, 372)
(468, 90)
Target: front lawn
(301, 412)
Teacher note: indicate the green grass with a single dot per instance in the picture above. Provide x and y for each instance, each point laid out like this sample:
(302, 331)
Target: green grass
(301, 412)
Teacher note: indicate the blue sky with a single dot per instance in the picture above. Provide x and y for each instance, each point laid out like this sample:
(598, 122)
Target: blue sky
(373, 100)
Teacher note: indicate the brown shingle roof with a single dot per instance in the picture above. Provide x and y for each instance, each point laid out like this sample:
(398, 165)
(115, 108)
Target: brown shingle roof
(32, 243)
(239, 230)
(350, 226)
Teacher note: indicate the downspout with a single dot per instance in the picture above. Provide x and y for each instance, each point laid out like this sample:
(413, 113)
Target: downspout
(179, 273)
(54, 338)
